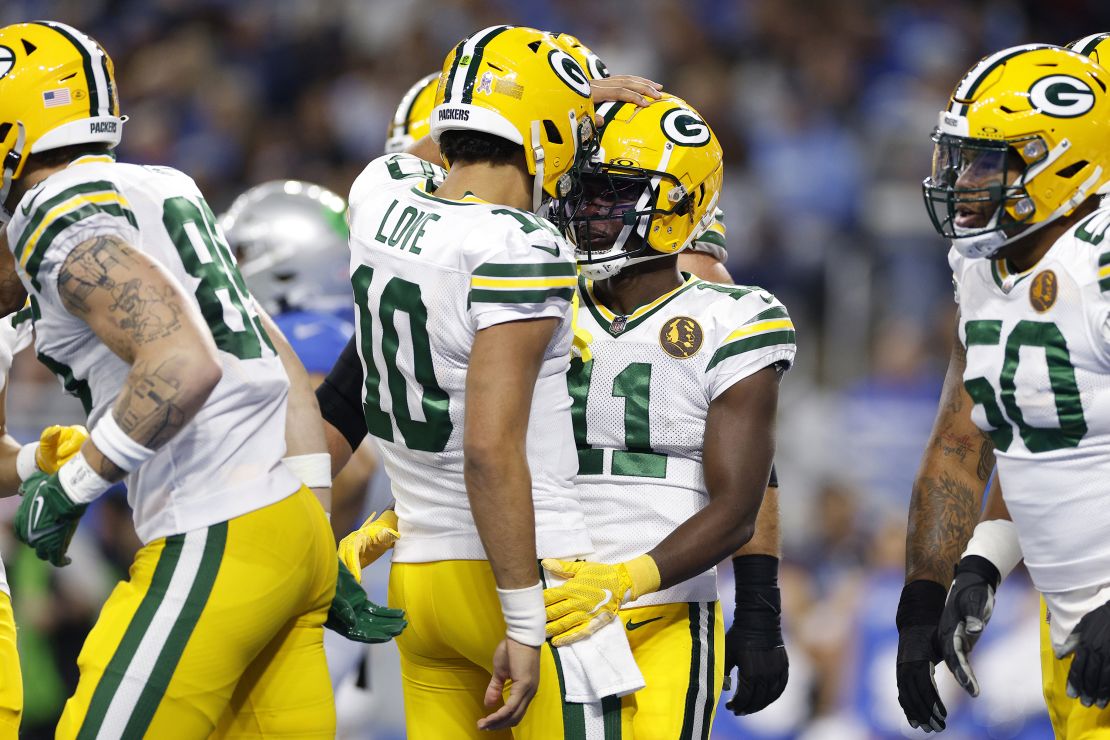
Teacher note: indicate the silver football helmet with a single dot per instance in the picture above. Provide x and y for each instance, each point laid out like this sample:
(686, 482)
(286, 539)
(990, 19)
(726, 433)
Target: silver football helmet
(290, 238)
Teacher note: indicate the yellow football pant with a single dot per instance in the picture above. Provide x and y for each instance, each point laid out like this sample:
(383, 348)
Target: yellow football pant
(11, 681)
(1070, 719)
(455, 623)
(219, 625)
(680, 649)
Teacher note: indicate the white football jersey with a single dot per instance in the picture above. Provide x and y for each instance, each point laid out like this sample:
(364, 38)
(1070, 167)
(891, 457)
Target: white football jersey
(642, 385)
(428, 274)
(13, 338)
(1038, 371)
(227, 460)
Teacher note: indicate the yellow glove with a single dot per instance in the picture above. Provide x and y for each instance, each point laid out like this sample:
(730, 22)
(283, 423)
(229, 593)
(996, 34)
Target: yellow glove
(57, 445)
(367, 543)
(592, 594)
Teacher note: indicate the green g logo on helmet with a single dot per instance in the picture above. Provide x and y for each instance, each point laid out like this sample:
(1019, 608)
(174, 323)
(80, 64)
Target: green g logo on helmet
(1061, 96)
(570, 72)
(685, 128)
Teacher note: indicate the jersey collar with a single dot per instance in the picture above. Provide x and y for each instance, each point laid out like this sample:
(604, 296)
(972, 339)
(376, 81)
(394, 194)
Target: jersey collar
(617, 324)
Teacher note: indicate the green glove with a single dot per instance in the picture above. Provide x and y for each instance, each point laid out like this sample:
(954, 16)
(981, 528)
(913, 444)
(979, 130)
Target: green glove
(47, 517)
(356, 617)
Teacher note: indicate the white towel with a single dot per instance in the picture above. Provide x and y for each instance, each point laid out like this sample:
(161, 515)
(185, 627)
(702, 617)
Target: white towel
(600, 665)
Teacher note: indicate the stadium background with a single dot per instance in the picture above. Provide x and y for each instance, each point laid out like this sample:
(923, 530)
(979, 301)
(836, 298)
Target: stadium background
(824, 109)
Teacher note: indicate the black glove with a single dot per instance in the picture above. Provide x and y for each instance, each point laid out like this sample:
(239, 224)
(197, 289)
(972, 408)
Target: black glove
(356, 617)
(967, 611)
(754, 642)
(919, 611)
(1089, 677)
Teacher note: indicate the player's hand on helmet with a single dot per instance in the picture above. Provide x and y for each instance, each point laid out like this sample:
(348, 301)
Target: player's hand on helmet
(369, 542)
(966, 612)
(754, 644)
(356, 617)
(625, 89)
(592, 594)
(518, 665)
(919, 610)
(1089, 676)
(57, 444)
(47, 517)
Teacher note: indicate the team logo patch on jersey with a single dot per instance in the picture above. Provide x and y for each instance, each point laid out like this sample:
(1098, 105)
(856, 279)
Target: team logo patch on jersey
(681, 337)
(1043, 290)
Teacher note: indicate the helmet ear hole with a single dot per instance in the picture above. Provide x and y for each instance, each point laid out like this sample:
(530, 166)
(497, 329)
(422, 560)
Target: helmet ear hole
(1072, 169)
(552, 131)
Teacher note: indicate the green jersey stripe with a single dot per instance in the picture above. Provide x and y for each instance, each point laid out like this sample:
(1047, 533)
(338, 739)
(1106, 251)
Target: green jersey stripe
(62, 223)
(73, 386)
(611, 717)
(778, 312)
(85, 188)
(759, 341)
(182, 629)
(483, 295)
(125, 652)
(711, 237)
(534, 269)
(688, 713)
(574, 715)
(1104, 284)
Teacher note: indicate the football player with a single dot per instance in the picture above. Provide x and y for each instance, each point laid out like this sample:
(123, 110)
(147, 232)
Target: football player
(1019, 164)
(139, 310)
(675, 386)
(463, 328)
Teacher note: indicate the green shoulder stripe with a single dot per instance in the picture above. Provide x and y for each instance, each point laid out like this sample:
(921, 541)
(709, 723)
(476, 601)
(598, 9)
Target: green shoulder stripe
(712, 237)
(41, 209)
(770, 339)
(534, 269)
(481, 295)
(778, 312)
(62, 223)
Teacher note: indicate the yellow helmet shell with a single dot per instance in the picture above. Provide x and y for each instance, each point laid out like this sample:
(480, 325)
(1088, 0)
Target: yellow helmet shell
(517, 83)
(668, 136)
(57, 88)
(413, 118)
(1052, 107)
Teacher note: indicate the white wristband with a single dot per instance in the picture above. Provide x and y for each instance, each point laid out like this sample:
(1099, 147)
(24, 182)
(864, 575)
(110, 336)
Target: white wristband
(525, 616)
(117, 446)
(80, 482)
(997, 541)
(313, 470)
(25, 463)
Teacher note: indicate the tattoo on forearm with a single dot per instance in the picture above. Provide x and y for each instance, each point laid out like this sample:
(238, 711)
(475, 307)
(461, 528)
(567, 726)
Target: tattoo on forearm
(986, 460)
(142, 312)
(943, 514)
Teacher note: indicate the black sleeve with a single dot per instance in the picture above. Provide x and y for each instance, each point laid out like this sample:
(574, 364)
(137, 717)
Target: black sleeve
(772, 482)
(340, 396)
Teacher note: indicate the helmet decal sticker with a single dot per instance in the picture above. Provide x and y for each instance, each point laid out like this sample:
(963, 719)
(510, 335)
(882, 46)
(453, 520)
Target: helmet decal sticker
(7, 60)
(568, 70)
(685, 128)
(1061, 96)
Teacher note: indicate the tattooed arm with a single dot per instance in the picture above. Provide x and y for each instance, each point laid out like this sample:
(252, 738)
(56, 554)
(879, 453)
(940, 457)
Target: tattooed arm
(948, 490)
(944, 509)
(142, 314)
(12, 292)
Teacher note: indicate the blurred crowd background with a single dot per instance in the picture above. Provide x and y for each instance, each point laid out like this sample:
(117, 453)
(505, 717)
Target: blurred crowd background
(824, 109)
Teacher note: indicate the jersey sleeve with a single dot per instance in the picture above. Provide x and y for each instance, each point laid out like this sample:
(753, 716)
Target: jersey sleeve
(763, 336)
(50, 222)
(530, 275)
(712, 240)
(392, 169)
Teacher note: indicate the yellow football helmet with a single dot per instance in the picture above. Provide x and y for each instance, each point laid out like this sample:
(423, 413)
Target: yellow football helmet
(589, 61)
(1021, 144)
(1096, 46)
(518, 84)
(57, 88)
(413, 118)
(650, 191)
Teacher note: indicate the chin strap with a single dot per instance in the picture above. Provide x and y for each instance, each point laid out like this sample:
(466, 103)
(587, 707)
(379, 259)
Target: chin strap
(538, 157)
(11, 163)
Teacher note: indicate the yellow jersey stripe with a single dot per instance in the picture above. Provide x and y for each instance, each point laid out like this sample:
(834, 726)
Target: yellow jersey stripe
(517, 283)
(62, 209)
(758, 328)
